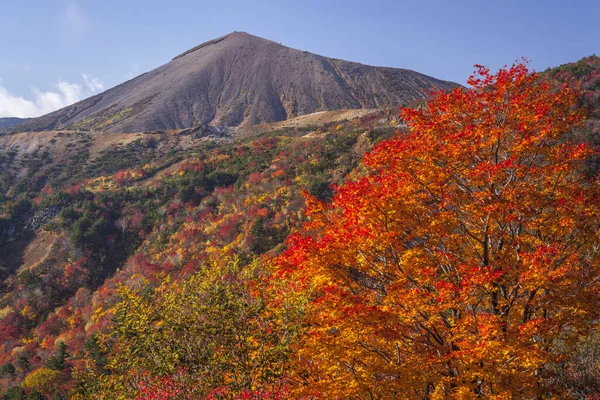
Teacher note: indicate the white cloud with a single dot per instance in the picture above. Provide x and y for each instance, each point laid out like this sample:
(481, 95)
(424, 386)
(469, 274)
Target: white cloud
(65, 94)
(93, 84)
(74, 23)
(134, 71)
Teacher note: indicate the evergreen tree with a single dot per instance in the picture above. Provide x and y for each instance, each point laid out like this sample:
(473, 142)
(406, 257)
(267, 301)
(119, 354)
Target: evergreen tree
(57, 361)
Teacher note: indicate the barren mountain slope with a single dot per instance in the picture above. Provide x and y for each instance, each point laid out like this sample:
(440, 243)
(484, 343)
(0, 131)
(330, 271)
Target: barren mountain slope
(239, 79)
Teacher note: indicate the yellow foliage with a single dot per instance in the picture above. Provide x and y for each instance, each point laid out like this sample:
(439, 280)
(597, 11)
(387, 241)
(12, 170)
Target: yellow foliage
(44, 380)
(28, 312)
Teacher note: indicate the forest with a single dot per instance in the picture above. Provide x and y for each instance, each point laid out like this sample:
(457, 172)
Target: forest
(450, 249)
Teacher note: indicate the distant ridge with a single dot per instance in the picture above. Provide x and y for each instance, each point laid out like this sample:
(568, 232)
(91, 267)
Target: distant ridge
(9, 122)
(239, 79)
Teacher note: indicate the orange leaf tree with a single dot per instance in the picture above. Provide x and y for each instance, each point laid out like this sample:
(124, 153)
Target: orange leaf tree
(465, 256)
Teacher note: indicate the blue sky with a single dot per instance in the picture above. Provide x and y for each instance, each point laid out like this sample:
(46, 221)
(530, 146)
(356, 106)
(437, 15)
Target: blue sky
(57, 51)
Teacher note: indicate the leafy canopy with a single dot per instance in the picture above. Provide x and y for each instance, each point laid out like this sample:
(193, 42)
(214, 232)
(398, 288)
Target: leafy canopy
(465, 255)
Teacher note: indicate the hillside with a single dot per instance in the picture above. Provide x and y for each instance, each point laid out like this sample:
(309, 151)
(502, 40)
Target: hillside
(76, 223)
(586, 74)
(104, 235)
(9, 122)
(239, 79)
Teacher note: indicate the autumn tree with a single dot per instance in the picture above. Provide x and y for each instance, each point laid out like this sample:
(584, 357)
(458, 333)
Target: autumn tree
(207, 335)
(44, 382)
(462, 259)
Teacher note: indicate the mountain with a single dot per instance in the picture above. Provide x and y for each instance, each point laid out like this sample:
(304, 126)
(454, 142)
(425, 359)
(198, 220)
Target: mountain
(9, 122)
(87, 217)
(239, 79)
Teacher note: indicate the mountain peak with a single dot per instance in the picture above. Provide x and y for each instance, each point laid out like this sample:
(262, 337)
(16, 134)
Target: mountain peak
(237, 36)
(239, 79)
(243, 34)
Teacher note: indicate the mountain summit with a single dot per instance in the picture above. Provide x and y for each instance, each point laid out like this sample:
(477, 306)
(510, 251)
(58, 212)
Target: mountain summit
(239, 79)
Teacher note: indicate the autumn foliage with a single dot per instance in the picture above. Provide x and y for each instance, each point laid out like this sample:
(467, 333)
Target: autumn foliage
(462, 260)
(458, 260)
